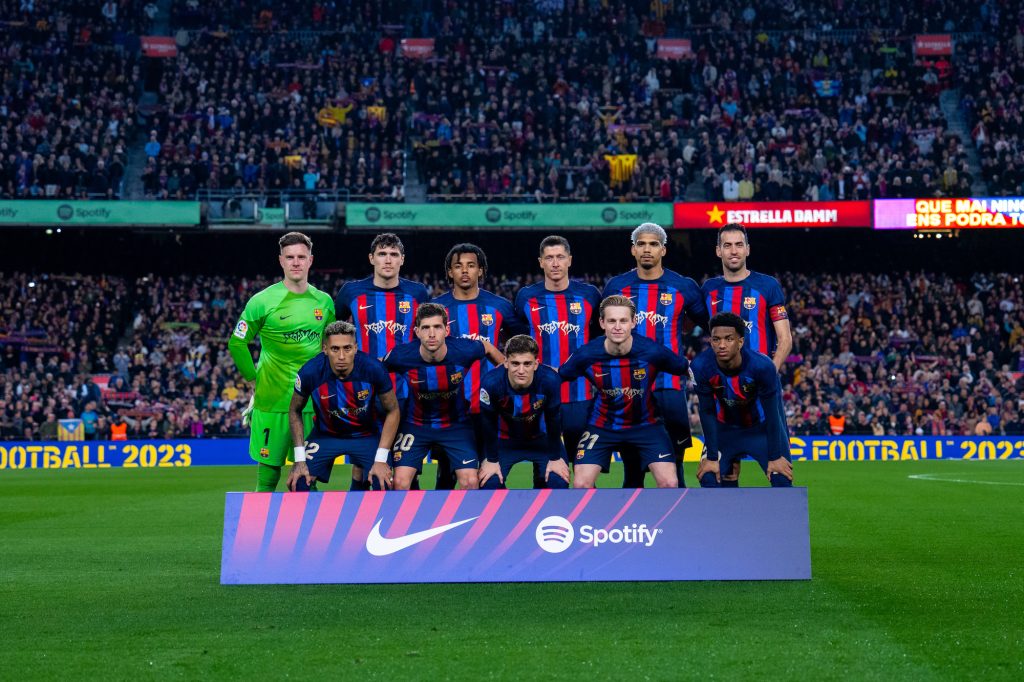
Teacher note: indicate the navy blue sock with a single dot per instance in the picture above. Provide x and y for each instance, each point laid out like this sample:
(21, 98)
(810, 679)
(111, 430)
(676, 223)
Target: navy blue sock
(302, 487)
(730, 484)
(493, 483)
(632, 472)
(357, 485)
(680, 472)
(538, 477)
(445, 476)
(780, 481)
(708, 480)
(415, 485)
(556, 482)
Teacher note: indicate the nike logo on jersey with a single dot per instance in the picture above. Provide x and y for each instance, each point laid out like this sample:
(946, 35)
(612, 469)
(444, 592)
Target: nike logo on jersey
(664, 456)
(378, 545)
(536, 309)
(468, 461)
(602, 375)
(411, 381)
(364, 307)
(285, 317)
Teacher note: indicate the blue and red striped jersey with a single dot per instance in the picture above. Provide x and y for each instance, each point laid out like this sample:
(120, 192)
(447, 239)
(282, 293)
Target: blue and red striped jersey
(383, 318)
(737, 395)
(560, 322)
(758, 299)
(436, 395)
(488, 316)
(529, 416)
(624, 383)
(344, 408)
(662, 305)
(748, 398)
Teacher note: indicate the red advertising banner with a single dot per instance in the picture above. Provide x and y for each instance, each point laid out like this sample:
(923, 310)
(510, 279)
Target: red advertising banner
(418, 48)
(159, 46)
(674, 48)
(755, 214)
(932, 44)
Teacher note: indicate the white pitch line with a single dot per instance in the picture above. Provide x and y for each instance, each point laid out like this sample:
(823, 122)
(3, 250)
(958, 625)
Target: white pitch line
(932, 477)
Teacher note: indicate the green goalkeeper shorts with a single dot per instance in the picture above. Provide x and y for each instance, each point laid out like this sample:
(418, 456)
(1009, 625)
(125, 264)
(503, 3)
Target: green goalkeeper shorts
(270, 441)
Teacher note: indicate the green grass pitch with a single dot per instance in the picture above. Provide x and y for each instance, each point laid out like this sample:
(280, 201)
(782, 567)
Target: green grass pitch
(114, 574)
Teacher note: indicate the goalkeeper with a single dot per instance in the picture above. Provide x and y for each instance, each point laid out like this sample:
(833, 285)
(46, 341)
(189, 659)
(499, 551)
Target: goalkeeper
(289, 317)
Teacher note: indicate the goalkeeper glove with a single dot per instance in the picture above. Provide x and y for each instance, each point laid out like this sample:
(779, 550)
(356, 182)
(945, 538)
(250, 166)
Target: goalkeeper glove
(247, 412)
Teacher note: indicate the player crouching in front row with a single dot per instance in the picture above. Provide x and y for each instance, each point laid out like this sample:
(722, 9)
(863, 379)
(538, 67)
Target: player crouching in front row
(739, 394)
(346, 385)
(624, 416)
(435, 366)
(520, 411)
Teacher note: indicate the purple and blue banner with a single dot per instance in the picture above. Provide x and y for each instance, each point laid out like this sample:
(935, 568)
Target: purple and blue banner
(106, 454)
(165, 454)
(948, 214)
(516, 535)
(904, 448)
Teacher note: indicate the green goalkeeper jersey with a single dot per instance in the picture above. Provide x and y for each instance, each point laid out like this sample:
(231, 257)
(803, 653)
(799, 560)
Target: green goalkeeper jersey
(290, 327)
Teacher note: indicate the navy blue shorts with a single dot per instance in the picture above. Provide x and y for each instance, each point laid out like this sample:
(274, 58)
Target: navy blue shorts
(650, 443)
(511, 453)
(322, 450)
(414, 443)
(735, 444)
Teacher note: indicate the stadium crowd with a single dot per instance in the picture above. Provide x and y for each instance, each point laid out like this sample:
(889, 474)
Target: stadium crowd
(902, 353)
(547, 101)
(70, 79)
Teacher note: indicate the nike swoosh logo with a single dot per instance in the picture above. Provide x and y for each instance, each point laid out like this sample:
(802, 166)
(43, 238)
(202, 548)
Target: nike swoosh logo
(468, 461)
(285, 317)
(664, 456)
(364, 307)
(536, 309)
(417, 382)
(602, 375)
(378, 545)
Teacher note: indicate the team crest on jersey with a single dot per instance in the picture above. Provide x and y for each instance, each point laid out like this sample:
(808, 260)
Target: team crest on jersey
(575, 307)
(580, 454)
(487, 319)
(396, 456)
(318, 313)
(455, 378)
(404, 307)
(749, 302)
(537, 404)
(264, 452)
(363, 395)
(666, 299)
(640, 374)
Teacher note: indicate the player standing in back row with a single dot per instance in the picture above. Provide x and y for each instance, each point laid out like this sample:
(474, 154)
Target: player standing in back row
(756, 298)
(664, 300)
(559, 314)
(289, 317)
(473, 313)
(383, 309)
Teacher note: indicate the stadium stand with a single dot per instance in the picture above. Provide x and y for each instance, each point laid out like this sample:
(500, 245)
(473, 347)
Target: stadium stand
(533, 101)
(900, 353)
